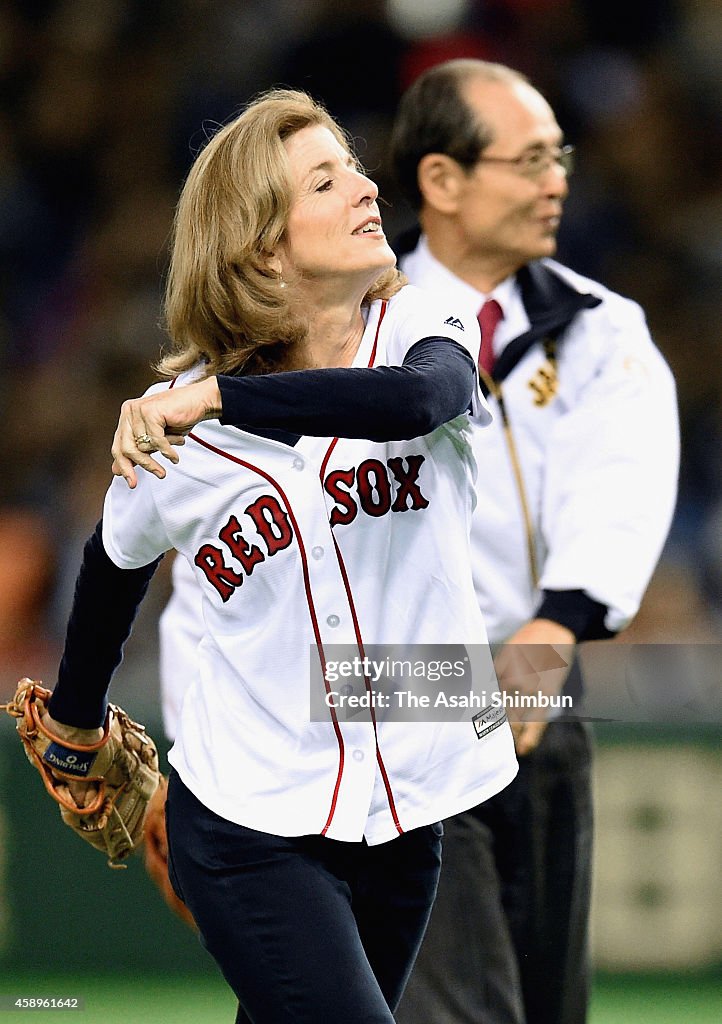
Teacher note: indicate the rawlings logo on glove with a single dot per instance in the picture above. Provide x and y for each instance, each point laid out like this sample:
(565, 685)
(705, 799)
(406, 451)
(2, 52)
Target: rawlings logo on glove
(60, 759)
(122, 766)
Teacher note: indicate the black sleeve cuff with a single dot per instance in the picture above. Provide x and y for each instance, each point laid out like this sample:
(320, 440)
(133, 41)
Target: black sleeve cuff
(104, 605)
(577, 611)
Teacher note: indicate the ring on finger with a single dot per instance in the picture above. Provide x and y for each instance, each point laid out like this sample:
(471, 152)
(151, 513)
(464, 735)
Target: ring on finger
(145, 442)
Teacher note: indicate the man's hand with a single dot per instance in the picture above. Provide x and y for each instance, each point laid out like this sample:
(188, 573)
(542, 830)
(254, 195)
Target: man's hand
(537, 658)
(159, 422)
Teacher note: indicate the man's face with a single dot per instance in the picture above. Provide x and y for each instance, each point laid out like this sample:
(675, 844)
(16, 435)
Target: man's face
(503, 211)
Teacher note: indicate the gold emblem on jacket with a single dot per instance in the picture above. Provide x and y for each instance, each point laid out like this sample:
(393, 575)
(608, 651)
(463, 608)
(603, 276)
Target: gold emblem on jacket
(545, 383)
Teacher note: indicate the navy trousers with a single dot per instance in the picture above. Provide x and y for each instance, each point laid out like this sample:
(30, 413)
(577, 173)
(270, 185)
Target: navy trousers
(507, 941)
(305, 929)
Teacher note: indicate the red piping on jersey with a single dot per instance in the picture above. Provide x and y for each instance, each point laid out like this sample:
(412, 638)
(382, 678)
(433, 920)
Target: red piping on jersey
(382, 314)
(352, 607)
(372, 360)
(311, 607)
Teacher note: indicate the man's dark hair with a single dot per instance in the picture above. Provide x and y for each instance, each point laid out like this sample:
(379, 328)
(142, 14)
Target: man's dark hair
(433, 117)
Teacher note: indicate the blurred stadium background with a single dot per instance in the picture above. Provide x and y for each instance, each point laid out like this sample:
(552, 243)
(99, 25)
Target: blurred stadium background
(103, 104)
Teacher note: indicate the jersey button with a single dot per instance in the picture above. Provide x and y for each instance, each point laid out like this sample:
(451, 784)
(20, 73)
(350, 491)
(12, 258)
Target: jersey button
(346, 690)
(333, 621)
(298, 463)
(358, 755)
(317, 552)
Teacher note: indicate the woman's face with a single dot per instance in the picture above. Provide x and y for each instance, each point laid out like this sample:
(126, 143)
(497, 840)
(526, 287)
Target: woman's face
(334, 240)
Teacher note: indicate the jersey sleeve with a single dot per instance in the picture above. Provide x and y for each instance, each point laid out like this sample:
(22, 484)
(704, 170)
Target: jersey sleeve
(418, 315)
(133, 531)
(611, 477)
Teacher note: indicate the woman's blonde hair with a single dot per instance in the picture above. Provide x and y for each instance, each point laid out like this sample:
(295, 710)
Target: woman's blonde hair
(224, 304)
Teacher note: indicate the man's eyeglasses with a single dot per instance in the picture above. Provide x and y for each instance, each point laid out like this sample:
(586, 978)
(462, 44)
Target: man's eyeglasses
(535, 162)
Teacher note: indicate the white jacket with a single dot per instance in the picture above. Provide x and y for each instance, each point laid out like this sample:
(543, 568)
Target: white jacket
(599, 460)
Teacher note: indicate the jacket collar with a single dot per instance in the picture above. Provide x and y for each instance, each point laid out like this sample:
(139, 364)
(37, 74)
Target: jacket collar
(551, 304)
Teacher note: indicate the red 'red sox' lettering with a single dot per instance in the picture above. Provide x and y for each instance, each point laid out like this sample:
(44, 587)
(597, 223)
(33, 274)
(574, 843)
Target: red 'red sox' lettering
(407, 479)
(225, 580)
(374, 489)
(266, 513)
(274, 529)
(238, 546)
(374, 485)
(338, 484)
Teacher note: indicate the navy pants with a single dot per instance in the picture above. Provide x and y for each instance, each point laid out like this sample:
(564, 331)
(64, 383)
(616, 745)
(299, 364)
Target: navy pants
(305, 929)
(507, 941)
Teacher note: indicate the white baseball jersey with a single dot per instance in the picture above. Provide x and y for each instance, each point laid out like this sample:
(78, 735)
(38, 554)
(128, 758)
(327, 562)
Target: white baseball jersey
(599, 458)
(294, 549)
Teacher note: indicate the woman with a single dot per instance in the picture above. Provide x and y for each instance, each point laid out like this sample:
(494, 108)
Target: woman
(306, 846)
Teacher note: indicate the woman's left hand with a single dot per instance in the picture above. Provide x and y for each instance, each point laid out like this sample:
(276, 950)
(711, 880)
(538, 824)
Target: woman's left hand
(159, 423)
(80, 792)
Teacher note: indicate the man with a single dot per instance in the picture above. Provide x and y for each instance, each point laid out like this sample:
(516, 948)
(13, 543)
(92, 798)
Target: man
(576, 489)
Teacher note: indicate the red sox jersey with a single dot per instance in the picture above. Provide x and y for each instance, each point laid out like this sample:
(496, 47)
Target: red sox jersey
(296, 550)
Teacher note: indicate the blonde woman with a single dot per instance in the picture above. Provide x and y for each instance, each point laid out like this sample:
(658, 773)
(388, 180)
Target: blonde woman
(322, 498)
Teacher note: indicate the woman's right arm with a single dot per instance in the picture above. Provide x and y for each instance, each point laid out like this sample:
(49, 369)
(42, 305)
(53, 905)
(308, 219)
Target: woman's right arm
(433, 385)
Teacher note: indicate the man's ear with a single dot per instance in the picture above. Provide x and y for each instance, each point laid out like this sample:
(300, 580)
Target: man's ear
(441, 181)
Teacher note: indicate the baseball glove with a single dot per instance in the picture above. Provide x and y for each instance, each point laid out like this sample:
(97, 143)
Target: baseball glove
(122, 764)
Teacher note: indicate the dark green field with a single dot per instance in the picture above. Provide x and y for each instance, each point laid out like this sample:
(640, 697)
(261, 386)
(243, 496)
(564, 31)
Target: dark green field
(203, 999)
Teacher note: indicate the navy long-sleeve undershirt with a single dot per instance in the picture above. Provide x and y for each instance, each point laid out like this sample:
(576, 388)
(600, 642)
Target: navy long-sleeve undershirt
(105, 603)
(380, 403)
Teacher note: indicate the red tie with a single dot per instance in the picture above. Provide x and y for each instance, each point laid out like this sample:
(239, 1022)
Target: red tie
(489, 316)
